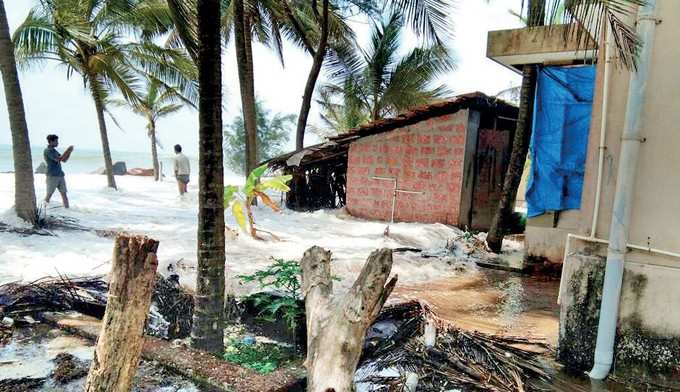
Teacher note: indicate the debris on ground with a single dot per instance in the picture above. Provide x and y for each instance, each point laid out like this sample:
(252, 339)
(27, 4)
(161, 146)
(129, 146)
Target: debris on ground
(44, 226)
(396, 353)
(21, 384)
(169, 317)
(68, 368)
(174, 305)
(86, 295)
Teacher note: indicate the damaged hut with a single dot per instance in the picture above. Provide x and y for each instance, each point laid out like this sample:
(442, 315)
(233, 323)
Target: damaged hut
(443, 162)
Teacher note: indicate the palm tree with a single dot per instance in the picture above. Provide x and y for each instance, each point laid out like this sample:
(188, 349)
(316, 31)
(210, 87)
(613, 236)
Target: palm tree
(272, 134)
(196, 23)
(427, 18)
(90, 37)
(24, 190)
(267, 22)
(157, 101)
(540, 12)
(207, 333)
(381, 83)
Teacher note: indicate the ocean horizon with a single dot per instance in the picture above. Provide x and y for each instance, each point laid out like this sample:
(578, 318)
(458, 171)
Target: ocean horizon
(85, 161)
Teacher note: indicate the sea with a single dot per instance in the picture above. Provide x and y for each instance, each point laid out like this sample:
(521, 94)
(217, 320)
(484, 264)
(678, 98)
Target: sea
(85, 161)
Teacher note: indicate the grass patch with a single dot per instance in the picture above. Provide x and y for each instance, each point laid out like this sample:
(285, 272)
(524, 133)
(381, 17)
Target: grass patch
(261, 357)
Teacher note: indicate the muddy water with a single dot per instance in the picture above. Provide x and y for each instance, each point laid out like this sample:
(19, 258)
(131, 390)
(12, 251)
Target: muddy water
(493, 302)
(501, 302)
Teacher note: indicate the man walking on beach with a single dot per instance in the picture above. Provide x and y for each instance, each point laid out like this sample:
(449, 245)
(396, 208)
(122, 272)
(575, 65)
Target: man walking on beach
(54, 175)
(182, 169)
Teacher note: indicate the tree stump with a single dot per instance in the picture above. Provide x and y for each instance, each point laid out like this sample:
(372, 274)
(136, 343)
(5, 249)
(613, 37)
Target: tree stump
(336, 328)
(120, 341)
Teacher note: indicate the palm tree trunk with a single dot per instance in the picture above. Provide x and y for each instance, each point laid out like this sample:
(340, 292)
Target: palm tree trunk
(520, 143)
(24, 190)
(207, 331)
(319, 56)
(244, 60)
(106, 150)
(154, 151)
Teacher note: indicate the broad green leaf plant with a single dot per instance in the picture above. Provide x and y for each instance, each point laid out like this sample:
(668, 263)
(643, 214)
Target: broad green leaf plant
(239, 200)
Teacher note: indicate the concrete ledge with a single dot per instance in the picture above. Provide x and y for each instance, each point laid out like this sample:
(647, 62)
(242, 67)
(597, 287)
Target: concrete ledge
(539, 45)
(201, 367)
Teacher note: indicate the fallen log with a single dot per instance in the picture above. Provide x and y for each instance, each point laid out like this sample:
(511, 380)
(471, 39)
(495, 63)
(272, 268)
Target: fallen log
(336, 328)
(203, 368)
(119, 347)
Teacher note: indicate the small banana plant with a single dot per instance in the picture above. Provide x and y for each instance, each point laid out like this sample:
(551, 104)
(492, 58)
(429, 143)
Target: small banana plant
(239, 199)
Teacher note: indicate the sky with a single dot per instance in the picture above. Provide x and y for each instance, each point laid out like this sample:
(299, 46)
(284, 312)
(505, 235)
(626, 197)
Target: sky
(55, 104)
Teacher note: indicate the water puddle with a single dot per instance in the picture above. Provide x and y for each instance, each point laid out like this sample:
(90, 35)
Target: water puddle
(30, 352)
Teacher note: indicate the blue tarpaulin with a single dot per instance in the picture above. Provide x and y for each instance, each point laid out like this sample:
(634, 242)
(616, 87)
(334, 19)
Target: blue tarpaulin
(564, 99)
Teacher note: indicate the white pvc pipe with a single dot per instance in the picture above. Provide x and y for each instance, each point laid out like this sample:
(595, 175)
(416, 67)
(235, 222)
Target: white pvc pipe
(603, 129)
(623, 197)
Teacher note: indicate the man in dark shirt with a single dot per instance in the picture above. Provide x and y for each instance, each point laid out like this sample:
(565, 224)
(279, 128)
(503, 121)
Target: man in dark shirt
(55, 176)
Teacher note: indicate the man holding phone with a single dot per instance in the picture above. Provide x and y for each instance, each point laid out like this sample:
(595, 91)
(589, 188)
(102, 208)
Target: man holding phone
(55, 175)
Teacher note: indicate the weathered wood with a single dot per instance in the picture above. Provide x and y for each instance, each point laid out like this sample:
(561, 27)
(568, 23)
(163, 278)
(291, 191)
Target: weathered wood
(121, 338)
(336, 328)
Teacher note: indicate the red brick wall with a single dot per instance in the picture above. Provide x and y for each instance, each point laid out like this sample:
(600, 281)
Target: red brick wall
(425, 157)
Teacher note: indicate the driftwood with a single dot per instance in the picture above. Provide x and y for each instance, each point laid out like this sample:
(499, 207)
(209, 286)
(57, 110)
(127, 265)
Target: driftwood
(336, 327)
(120, 341)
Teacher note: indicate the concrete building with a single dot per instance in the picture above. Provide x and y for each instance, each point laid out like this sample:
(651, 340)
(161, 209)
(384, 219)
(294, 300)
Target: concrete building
(648, 334)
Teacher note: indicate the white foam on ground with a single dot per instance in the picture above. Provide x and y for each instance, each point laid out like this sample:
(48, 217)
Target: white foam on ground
(155, 209)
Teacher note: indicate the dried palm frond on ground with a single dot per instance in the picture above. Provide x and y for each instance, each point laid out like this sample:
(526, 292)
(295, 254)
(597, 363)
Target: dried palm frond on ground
(459, 359)
(169, 317)
(175, 305)
(45, 226)
(86, 295)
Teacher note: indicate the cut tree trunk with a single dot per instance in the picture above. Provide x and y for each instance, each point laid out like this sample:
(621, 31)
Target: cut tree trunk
(336, 327)
(24, 189)
(154, 152)
(318, 58)
(246, 77)
(103, 133)
(119, 346)
(520, 143)
(207, 331)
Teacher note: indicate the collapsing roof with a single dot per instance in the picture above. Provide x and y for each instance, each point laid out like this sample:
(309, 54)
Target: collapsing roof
(338, 146)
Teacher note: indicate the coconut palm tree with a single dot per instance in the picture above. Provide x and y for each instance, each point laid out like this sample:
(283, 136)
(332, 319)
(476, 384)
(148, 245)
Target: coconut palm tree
(24, 190)
(427, 18)
(269, 22)
(155, 102)
(196, 25)
(540, 12)
(382, 83)
(91, 38)
(207, 332)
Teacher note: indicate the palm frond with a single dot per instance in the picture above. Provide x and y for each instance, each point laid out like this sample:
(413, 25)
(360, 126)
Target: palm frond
(35, 38)
(428, 18)
(184, 16)
(590, 16)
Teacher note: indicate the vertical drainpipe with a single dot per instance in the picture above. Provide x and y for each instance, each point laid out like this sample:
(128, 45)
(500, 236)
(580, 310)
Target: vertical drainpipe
(625, 181)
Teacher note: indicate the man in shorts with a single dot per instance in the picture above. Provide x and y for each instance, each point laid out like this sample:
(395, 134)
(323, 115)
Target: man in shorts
(182, 169)
(54, 175)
